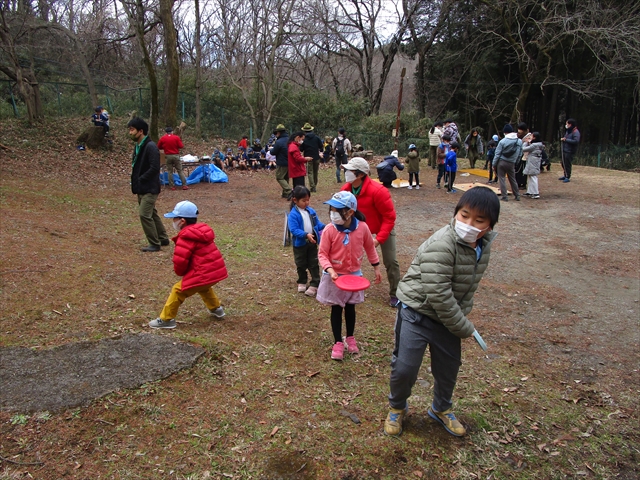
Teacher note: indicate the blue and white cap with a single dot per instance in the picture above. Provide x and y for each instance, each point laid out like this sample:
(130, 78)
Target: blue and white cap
(343, 200)
(412, 146)
(184, 209)
(495, 138)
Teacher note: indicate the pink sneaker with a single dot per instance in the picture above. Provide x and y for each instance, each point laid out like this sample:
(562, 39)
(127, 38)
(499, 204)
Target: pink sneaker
(337, 352)
(311, 291)
(351, 345)
(302, 288)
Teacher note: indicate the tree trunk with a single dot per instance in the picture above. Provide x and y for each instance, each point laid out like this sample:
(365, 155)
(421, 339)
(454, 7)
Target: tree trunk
(552, 117)
(93, 138)
(421, 91)
(24, 77)
(198, 71)
(153, 85)
(136, 20)
(172, 78)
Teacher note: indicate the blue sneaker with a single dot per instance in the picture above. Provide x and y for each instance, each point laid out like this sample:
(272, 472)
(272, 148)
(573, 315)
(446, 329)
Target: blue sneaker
(562, 178)
(566, 180)
(448, 420)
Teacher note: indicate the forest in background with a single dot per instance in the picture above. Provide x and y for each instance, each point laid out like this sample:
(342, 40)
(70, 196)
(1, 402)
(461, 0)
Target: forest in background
(250, 64)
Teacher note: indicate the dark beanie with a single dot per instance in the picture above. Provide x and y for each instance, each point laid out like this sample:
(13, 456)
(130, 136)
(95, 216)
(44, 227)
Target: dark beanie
(507, 129)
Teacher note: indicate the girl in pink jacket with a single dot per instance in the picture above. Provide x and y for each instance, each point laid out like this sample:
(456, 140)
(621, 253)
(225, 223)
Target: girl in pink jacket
(343, 245)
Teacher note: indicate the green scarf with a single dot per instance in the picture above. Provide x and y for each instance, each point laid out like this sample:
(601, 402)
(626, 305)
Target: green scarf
(137, 150)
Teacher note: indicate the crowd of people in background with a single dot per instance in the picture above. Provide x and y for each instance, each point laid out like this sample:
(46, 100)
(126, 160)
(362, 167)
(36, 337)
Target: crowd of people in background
(518, 158)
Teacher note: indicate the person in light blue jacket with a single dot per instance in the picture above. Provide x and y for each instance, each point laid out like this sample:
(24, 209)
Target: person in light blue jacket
(508, 152)
(305, 228)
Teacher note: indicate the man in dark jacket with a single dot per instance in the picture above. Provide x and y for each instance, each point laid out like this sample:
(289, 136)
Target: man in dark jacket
(280, 150)
(311, 147)
(570, 143)
(145, 183)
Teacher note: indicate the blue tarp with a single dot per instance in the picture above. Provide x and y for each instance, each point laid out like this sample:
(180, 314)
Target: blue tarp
(203, 173)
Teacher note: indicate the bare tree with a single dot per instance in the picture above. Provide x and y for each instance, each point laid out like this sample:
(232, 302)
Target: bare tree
(424, 26)
(16, 26)
(198, 67)
(542, 35)
(355, 24)
(250, 51)
(172, 73)
(138, 15)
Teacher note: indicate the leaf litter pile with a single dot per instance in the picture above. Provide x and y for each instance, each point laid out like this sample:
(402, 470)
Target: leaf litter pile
(555, 395)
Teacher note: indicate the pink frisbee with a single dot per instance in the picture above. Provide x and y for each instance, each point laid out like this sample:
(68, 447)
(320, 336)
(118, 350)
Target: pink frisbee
(352, 283)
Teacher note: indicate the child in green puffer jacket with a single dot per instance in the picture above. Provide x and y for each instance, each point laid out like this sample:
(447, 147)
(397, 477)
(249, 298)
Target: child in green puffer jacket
(436, 297)
(413, 160)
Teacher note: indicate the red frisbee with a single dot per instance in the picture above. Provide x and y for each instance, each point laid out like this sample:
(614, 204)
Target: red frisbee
(352, 283)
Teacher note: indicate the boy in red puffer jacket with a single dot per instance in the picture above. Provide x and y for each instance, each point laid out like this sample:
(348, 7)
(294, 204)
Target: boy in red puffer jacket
(197, 260)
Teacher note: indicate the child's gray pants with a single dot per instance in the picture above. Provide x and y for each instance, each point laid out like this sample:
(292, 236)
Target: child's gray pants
(414, 332)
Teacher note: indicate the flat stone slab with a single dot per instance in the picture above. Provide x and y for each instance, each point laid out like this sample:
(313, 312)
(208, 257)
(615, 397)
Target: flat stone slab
(75, 374)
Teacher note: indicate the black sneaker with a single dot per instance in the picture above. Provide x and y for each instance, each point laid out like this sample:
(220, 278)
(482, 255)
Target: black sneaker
(150, 248)
(165, 242)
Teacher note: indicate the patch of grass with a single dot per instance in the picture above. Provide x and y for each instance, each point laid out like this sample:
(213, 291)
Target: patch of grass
(19, 419)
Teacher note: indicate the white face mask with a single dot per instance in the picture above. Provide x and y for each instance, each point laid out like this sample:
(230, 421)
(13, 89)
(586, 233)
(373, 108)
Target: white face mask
(349, 176)
(176, 225)
(336, 218)
(466, 232)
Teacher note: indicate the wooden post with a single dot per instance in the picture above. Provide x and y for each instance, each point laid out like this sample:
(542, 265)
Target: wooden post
(395, 143)
(59, 105)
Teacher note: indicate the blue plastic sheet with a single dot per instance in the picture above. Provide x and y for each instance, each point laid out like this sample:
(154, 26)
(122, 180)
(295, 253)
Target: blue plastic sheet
(208, 173)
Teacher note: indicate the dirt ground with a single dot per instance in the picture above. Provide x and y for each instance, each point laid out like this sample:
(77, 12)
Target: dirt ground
(555, 396)
(76, 373)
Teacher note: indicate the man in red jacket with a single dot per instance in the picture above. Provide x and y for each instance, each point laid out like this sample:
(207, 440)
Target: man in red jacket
(374, 201)
(172, 144)
(197, 260)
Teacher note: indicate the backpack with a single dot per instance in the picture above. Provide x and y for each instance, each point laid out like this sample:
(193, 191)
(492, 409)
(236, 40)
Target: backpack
(339, 146)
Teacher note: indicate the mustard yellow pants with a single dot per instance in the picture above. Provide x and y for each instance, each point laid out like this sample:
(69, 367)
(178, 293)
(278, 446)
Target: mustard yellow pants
(177, 296)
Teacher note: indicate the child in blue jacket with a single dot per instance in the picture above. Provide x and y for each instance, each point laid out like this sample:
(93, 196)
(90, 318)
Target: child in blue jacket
(305, 228)
(451, 165)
